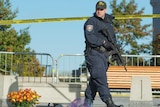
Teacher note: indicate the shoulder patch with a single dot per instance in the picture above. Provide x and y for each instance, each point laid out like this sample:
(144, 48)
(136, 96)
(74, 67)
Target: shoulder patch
(89, 28)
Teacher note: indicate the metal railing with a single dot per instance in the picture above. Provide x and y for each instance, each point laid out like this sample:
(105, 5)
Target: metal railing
(66, 68)
(141, 60)
(72, 68)
(29, 66)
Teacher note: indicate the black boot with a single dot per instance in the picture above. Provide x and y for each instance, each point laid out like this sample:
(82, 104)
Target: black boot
(110, 103)
(88, 103)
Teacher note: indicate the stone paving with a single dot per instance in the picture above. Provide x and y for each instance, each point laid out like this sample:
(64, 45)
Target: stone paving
(122, 100)
(118, 100)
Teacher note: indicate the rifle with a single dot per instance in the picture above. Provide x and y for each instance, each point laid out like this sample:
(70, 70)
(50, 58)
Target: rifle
(115, 49)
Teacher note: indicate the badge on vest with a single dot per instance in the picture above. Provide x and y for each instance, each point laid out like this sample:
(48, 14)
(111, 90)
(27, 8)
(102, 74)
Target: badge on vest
(89, 28)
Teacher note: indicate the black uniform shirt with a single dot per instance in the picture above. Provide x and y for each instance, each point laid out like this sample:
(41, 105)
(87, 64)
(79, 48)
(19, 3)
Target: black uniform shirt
(94, 38)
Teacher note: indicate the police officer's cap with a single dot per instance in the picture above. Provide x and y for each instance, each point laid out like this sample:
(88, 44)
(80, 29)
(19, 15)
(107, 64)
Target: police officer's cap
(101, 5)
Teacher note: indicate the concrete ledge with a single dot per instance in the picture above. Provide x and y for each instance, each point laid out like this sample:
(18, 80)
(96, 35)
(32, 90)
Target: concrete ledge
(54, 93)
(141, 104)
(8, 84)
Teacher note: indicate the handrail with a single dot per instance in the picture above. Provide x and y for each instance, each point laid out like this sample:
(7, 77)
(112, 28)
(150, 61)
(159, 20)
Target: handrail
(7, 62)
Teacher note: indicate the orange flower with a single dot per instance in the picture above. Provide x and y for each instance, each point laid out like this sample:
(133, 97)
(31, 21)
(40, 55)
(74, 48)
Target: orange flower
(23, 96)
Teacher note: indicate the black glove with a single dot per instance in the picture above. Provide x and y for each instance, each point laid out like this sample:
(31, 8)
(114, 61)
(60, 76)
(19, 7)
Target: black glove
(107, 45)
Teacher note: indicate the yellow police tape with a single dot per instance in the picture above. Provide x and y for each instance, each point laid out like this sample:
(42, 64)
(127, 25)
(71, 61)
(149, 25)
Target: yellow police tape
(8, 22)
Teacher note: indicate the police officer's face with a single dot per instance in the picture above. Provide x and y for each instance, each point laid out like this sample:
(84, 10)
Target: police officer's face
(100, 12)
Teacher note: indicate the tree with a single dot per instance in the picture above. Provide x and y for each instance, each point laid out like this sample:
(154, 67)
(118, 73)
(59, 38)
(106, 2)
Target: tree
(8, 34)
(13, 41)
(130, 33)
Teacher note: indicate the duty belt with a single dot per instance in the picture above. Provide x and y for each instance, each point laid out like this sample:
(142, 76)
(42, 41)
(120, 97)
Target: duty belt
(100, 49)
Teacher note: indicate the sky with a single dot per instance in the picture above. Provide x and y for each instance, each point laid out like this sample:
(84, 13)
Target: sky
(58, 38)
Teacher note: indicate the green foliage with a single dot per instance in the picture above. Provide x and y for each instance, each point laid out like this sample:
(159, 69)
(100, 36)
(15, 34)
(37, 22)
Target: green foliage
(13, 41)
(6, 13)
(130, 33)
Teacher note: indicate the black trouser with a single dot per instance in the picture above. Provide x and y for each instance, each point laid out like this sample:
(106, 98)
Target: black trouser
(97, 65)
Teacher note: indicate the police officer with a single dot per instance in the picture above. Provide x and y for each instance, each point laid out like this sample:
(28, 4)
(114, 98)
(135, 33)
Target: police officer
(96, 58)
